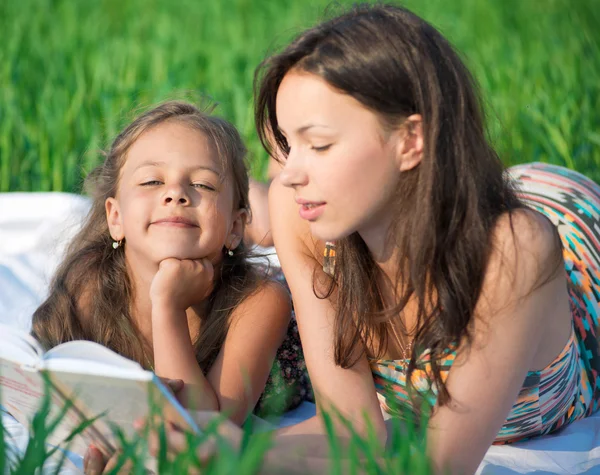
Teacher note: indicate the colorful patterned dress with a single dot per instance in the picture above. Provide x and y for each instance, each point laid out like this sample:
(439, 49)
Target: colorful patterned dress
(568, 389)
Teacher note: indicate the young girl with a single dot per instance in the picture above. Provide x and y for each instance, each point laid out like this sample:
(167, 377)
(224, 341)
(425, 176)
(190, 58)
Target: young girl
(159, 272)
(445, 282)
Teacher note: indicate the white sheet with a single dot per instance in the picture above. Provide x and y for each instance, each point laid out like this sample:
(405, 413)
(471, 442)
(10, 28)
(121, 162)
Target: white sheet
(34, 228)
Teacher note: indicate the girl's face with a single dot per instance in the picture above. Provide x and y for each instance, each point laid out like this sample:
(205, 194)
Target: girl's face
(172, 201)
(343, 167)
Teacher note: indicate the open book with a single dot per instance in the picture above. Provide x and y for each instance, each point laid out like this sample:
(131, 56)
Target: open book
(98, 381)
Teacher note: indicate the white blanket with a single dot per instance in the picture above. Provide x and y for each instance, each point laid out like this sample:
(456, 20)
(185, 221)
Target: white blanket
(34, 228)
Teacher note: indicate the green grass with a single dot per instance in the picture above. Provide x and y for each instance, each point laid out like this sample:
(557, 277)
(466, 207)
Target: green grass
(406, 453)
(71, 72)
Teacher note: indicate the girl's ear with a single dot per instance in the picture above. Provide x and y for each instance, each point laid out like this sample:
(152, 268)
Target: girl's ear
(410, 143)
(113, 218)
(240, 219)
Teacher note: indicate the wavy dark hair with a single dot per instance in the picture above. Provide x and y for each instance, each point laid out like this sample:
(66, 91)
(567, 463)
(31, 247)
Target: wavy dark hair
(91, 293)
(396, 64)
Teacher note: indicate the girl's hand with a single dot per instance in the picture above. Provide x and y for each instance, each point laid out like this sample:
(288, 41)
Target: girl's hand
(177, 442)
(95, 463)
(179, 284)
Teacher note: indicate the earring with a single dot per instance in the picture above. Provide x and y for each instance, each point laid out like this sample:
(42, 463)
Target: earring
(229, 252)
(329, 258)
(117, 244)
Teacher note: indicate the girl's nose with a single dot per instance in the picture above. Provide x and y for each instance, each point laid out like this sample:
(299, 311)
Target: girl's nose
(294, 173)
(176, 195)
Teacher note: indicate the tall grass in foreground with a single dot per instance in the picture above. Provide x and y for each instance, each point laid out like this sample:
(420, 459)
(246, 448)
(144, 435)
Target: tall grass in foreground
(405, 453)
(72, 71)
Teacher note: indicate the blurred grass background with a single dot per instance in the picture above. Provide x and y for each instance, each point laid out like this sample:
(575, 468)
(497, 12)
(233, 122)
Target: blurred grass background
(72, 72)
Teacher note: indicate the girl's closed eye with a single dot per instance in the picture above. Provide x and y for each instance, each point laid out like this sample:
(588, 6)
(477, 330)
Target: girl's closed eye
(204, 186)
(151, 183)
(322, 148)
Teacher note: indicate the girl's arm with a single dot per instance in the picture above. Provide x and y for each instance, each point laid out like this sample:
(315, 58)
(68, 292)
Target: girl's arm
(351, 390)
(240, 371)
(177, 286)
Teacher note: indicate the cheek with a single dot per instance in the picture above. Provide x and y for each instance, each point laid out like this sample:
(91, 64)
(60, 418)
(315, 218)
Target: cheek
(215, 217)
(358, 168)
(134, 213)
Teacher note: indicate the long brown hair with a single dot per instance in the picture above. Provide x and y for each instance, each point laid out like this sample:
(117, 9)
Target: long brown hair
(91, 293)
(396, 65)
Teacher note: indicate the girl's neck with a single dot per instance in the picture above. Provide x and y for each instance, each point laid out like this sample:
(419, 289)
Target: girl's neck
(381, 243)
(385, 252)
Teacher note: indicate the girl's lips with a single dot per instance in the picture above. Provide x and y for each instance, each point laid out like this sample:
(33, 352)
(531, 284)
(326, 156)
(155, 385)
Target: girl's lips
(310, 211)
(176, 222)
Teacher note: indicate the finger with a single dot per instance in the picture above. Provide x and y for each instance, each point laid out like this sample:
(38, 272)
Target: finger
(139, 424)
(203, 264)
(204, 418)
(112, 462)
(86, 460)
(208, 418)
(209, 272)
(93, 463)
(171, 415)
(208, 265)
(144, 426)
(170, 262)
(115, 460)
(152, 444)
(174, 385)
(127, 467)
(175, 439)
(207, 450)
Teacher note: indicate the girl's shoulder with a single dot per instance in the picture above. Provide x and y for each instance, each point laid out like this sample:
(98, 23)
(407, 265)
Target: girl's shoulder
(525, 270)
(271, 299)
(525, 242)
(526, 222)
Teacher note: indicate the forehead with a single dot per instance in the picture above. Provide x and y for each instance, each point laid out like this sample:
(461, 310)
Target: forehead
(176, 144)
(304, 98)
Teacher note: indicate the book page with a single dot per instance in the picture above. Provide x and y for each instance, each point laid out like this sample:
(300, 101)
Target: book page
(18, 346)
(22, 394)
(119, 401)
(77, 356)
(21, 390)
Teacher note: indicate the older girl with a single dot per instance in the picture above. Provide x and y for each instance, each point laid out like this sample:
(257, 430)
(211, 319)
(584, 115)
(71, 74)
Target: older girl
(440, 280)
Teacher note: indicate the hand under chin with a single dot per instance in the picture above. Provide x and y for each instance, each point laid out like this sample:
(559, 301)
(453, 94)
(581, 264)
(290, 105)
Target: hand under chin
(185, 255)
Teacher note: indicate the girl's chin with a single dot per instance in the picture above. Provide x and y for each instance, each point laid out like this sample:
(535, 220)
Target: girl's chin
(185, 254)
(327, 233)
(181, 254)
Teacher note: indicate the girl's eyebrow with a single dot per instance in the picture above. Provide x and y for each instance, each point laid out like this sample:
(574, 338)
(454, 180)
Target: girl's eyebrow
(153, 163)
(305, 128)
